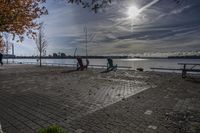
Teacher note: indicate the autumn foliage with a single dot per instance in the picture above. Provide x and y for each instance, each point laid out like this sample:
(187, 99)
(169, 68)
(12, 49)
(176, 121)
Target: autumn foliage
(17, 17)
(1, 45)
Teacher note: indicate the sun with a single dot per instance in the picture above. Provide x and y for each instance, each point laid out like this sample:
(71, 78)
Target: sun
(133, 12)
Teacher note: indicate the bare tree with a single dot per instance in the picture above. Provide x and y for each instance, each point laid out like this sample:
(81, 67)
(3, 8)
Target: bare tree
(7, 45)
(2, 43)
(88, 39)
(41, 43)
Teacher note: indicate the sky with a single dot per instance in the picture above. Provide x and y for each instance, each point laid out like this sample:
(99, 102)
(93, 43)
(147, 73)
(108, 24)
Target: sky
(154, 26)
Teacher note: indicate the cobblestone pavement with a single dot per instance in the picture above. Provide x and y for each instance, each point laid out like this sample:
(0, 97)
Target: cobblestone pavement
(91, 102)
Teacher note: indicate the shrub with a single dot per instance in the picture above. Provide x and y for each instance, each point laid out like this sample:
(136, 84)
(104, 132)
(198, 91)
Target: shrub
(52, 129)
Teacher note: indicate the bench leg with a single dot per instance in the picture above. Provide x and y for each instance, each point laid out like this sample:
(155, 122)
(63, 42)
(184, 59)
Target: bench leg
(184, 71)
(184, 74)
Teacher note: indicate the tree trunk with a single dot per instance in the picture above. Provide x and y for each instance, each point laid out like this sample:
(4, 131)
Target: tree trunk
(40, 43)
(40, 58)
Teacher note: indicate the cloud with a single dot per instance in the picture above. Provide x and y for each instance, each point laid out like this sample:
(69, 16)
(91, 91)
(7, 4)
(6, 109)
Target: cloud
(149, 5)
(160, 26)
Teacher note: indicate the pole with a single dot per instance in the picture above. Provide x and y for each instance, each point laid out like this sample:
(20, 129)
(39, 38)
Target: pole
(40, 42)
(86, 41)
(13, 51)
(6, 37)
(75, 52)
(7, 50)
(75, 55)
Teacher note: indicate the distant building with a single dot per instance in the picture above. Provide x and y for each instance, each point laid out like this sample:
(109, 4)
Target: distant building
(8, 56)
(55, 55)
(63, 55)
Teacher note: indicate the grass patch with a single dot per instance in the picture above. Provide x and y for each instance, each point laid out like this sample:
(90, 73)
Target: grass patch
(52, 129)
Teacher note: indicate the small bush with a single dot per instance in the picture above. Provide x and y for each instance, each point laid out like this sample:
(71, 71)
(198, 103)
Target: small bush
(52, 129)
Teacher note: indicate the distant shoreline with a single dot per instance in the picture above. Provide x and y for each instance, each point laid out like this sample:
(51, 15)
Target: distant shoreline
(102, 57)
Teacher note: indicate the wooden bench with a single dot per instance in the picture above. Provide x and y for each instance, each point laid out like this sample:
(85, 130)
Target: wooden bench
(192, 68)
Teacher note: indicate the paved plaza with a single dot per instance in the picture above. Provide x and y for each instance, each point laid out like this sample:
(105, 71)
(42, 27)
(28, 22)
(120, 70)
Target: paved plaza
(93, 102)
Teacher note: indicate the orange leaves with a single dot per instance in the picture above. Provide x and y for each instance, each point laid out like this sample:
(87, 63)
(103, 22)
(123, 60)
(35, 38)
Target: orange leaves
(16, 16)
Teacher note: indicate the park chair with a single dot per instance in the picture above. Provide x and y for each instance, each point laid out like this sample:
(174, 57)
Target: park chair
(110, 66)
(80, 65)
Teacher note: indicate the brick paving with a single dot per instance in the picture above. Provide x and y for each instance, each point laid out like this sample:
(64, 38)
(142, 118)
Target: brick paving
(91, 102)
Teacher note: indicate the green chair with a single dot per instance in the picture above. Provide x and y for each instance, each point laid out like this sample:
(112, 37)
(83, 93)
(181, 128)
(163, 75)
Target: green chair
(110, 66)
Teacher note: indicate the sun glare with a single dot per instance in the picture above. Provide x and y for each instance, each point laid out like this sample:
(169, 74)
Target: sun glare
(133, 12)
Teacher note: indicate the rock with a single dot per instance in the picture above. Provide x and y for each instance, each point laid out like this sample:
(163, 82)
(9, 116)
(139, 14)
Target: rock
(152, 127)
(79, 131)
(148, 112)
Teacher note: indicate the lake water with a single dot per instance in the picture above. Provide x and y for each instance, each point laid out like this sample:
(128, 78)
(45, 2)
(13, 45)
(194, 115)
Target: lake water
(133, 63)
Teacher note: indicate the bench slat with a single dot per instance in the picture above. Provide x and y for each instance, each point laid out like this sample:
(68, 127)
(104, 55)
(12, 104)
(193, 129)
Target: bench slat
(191, 70)
(188, 64)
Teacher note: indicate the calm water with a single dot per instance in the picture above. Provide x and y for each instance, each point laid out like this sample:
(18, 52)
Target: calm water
(134, 63)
